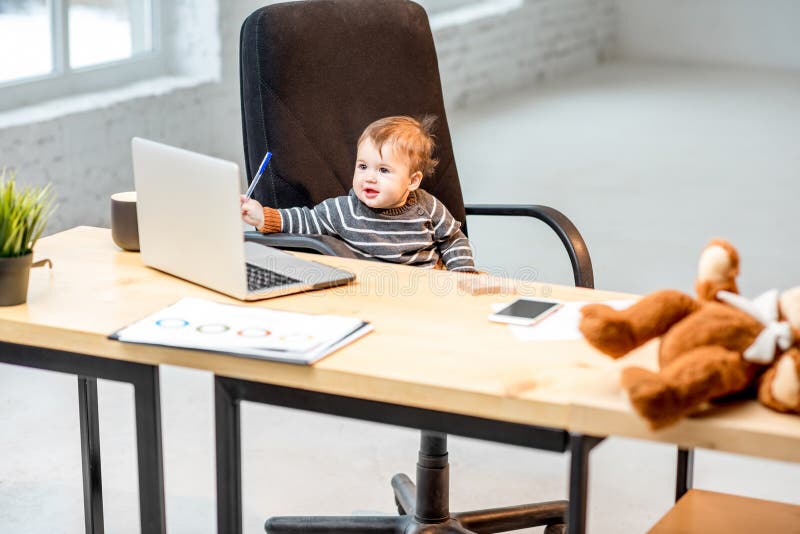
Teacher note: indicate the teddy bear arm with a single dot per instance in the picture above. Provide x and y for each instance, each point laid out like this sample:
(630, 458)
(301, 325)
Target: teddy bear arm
(617, 332)
(717, 270)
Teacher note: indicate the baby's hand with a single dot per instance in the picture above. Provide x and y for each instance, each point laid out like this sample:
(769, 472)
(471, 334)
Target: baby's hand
(252, 211)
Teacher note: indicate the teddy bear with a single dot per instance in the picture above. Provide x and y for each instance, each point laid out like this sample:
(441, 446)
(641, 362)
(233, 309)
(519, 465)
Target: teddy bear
(712, 346)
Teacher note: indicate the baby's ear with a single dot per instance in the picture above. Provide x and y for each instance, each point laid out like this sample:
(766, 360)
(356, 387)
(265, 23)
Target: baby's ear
(416, 178)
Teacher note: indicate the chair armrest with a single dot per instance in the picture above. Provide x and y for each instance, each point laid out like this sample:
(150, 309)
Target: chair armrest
(321, 244)
(570, 236)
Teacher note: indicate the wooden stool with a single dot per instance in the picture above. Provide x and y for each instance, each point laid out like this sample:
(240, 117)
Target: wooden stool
(708, 512)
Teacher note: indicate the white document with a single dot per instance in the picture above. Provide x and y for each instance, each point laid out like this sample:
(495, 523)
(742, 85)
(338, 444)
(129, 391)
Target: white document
(560, 325)
(245, 330)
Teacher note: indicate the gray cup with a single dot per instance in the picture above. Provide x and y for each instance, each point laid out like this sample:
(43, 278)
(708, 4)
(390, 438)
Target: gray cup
(124, 224)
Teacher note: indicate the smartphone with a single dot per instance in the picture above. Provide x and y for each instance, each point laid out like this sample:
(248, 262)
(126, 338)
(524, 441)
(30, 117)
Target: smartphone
(525, 311)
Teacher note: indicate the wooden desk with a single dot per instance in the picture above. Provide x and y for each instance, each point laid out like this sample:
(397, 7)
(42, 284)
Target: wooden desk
(433, 362)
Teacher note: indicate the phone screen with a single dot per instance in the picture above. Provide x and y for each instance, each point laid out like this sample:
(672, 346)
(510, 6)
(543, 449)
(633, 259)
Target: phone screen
(526, 309)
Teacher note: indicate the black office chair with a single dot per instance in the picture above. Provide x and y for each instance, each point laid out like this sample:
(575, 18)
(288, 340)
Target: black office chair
(313, 75)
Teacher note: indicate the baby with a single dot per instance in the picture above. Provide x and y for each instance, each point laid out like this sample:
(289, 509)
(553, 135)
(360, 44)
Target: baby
(386, 216)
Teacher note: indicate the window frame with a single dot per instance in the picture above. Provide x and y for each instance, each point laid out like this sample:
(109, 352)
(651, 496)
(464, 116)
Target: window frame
(64, 81)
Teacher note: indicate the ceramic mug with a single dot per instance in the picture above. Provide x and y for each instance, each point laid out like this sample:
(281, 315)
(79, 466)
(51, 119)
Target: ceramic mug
(124, 224)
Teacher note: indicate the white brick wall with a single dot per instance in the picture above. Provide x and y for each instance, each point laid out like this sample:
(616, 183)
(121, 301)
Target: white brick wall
(518, 42)
(84, 149)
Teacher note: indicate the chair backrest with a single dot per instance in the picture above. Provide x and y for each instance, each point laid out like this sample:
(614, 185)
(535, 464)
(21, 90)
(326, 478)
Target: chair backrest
(314, 74)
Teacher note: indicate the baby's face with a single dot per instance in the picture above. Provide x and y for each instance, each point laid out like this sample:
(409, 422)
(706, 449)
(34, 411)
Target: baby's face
(382, 178)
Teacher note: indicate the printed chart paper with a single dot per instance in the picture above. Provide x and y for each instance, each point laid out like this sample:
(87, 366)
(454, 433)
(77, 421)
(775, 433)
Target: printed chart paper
(245, 330)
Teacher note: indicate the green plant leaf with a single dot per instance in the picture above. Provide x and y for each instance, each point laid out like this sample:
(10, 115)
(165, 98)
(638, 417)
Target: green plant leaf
(23, 215)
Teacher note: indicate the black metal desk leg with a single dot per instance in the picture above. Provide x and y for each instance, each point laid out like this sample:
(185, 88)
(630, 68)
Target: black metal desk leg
(147, 399)
(90, 455)
(580, 447)
(229, 459)
(685, 478)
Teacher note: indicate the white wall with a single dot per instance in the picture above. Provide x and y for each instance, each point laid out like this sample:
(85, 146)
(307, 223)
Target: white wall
(494, 47)
(82, 145)
(756, 33)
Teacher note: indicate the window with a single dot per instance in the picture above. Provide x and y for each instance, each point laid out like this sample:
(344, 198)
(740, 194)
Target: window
(53, 48)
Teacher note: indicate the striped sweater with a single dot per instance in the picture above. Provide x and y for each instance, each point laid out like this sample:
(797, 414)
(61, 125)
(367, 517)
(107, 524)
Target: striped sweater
(418, 233)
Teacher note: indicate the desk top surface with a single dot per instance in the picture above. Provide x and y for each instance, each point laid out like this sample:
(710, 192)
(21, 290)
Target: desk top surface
(433, 346)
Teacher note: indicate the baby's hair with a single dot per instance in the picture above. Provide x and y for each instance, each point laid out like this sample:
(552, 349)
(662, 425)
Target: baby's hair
(411, 137)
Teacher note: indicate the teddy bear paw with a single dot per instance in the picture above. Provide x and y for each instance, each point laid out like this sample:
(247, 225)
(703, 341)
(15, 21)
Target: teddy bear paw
(651, 397)
(607, 329)
(780, 385)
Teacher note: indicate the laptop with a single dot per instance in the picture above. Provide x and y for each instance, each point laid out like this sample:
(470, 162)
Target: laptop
(190, 227)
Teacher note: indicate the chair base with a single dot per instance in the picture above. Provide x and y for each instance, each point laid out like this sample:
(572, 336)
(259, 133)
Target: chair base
(552, 514)
(404, 524)
(426, 511)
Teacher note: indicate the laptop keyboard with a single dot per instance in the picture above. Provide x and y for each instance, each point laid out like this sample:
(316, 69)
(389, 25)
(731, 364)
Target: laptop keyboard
(259, 278)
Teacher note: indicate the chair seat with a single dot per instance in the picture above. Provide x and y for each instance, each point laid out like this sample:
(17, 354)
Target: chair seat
(321, 244)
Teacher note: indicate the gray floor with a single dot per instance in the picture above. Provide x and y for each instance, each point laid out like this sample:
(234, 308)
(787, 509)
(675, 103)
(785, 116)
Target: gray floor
(649, 161)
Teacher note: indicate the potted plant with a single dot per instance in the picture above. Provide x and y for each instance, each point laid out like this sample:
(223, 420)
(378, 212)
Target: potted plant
(23, 216)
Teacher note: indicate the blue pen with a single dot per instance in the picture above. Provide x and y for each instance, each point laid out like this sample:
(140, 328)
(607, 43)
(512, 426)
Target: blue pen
(257, 177)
